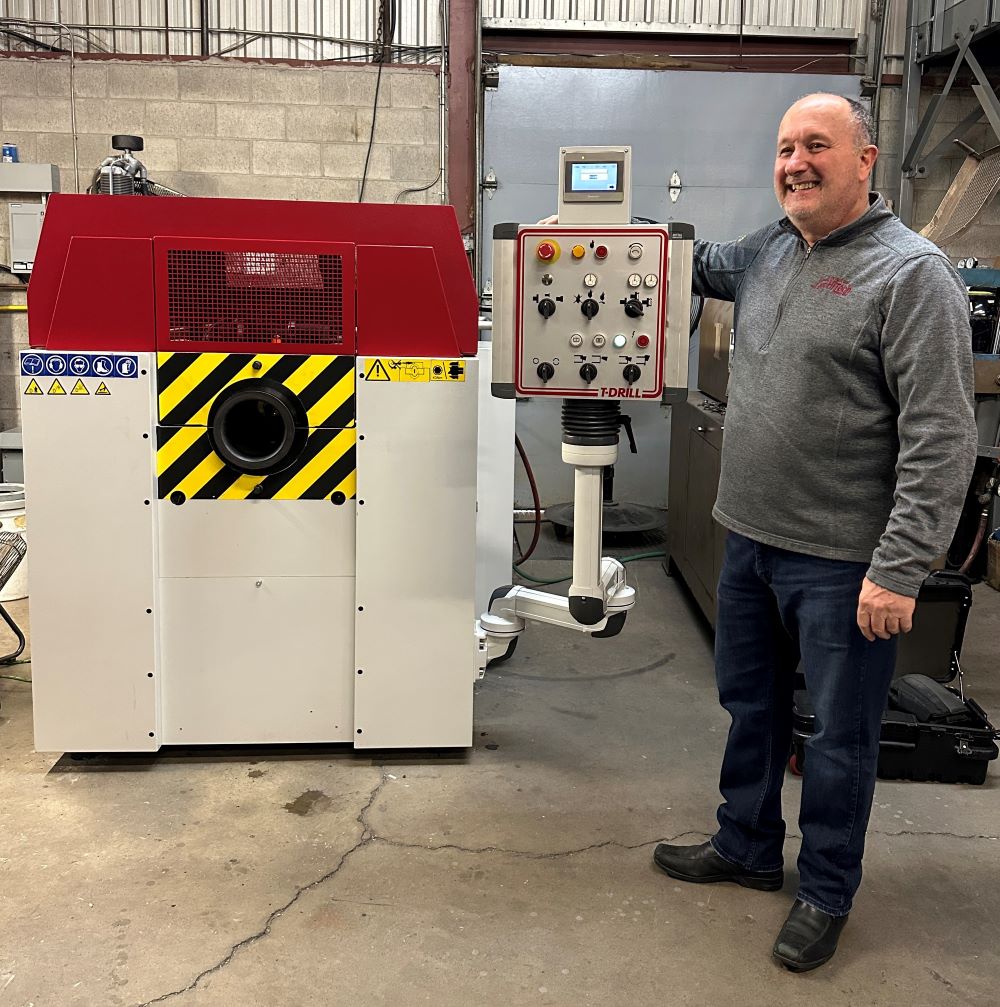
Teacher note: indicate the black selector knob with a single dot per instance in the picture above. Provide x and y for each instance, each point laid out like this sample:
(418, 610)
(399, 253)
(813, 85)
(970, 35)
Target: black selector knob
(546, 307)
(590, 307)
(546, 371)
(633, 307)
(588, 372)
(631, 374)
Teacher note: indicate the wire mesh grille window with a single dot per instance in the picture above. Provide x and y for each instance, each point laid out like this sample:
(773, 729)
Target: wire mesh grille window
(278, 29)
(263, 298)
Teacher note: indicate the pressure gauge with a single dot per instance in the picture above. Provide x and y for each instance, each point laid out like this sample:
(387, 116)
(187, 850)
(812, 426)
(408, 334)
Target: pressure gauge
(590, 280)
(635, 280)
(650, 280)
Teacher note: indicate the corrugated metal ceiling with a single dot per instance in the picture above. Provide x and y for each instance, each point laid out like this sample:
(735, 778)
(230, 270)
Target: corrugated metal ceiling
(339, 29)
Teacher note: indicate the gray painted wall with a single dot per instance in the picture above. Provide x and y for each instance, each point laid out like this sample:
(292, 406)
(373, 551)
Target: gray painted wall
(717, 130)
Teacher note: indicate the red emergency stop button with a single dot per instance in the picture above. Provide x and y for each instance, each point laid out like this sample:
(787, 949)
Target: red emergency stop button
(601, 251)
(547, 251)
(642, 341)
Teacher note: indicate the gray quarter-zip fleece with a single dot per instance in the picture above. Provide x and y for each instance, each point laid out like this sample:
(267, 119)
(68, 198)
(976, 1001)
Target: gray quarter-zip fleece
(850, 431)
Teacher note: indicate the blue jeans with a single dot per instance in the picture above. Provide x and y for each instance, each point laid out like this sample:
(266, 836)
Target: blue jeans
(776, 607)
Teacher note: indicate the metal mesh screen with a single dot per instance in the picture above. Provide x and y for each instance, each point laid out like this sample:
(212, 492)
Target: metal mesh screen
(977, 183)
(255, 297)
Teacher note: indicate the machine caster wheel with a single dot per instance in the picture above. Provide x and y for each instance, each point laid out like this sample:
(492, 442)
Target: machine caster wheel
(506, 655)
(501, 592)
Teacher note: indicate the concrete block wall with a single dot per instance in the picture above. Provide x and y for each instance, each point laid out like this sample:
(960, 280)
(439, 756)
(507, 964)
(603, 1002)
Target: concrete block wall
(13, 339)
(222, 128)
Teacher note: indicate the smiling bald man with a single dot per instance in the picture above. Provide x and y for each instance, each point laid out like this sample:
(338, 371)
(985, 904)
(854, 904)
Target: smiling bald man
(850, 441)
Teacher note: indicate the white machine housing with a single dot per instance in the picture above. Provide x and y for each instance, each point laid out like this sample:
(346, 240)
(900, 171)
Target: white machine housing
(256, 621)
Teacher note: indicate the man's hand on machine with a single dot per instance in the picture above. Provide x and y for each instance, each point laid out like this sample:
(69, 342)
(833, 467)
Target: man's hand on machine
(553, 219)
(883, 613)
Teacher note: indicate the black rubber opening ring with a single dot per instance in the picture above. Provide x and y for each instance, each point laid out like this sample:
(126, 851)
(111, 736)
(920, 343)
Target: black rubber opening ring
(253, 451)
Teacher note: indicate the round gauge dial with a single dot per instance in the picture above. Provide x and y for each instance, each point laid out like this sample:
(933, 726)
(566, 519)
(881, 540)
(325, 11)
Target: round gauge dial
(651, 280)
(590, 280)
(635, 280)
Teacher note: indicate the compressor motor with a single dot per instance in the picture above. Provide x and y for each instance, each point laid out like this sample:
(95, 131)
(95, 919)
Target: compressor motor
(126, 175)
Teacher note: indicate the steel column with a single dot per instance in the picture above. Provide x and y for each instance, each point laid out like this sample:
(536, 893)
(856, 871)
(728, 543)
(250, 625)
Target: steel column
(463, 32)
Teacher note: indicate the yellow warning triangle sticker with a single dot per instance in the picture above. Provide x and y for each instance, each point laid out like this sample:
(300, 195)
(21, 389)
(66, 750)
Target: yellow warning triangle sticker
(377, 372)
(56, 389)
(33, 388)
(102, 389)
(79, 388)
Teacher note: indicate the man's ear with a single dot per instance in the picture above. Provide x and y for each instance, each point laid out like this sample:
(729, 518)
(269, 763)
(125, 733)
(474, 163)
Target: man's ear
(869, 155)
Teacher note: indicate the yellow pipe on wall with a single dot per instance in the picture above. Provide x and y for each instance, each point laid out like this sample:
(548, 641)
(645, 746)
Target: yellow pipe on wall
(13, 307)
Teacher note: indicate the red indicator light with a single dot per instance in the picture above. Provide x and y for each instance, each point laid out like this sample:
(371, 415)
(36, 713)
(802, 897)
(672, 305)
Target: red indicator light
(601, 251)
(642, 341)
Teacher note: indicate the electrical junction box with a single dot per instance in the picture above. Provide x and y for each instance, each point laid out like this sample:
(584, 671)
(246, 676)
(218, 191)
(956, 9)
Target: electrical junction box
(25, 219)
(25, 229)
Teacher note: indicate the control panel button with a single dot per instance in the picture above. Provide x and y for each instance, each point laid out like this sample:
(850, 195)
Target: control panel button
(547, 251)
(651, 280)
(579, 251)
(576, 339)
(635, 250)
(601, 251)
(600, 340)
(635, 280)
(619, 341)
(590, 280)
(631, 374)
(546, 371)
(642, 341)
(588, 372)
(546, 307)
(590, 307)
(633, 307)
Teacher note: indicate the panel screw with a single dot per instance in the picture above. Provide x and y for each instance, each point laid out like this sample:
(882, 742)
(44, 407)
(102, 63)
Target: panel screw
(259, 583)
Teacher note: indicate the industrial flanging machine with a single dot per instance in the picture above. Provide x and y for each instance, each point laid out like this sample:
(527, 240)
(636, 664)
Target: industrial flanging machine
(250, 441)
(592, 310)
(250, 458)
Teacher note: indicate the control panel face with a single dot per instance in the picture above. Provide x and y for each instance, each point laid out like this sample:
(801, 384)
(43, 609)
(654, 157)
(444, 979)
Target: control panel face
(590, 311)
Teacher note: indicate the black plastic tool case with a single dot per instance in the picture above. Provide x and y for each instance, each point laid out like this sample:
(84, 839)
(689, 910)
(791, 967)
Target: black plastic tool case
(908, 749)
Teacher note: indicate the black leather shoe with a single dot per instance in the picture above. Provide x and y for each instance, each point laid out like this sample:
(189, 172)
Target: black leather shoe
(808, 939)
(702, 865)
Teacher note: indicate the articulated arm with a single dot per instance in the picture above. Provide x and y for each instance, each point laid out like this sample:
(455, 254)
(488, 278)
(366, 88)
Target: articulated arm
(599, 597)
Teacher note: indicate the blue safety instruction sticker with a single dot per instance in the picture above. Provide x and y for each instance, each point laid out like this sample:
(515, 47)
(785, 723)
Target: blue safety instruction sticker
(42, 363)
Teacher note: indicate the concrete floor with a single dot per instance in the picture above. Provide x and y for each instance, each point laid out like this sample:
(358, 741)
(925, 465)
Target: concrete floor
(518, 874)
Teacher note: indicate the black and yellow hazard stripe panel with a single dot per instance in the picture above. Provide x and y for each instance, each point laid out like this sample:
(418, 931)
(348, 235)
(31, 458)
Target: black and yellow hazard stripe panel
(186, 464)
(188, 383)
(318, 461)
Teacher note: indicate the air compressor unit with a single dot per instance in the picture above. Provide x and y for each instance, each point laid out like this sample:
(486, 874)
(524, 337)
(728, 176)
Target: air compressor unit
(250, 462)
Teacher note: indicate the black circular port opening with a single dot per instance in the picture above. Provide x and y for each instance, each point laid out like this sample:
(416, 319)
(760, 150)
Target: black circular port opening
(257, 427)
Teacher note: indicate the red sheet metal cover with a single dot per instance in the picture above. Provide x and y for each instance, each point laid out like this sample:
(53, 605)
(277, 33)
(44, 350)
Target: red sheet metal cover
(93, 285)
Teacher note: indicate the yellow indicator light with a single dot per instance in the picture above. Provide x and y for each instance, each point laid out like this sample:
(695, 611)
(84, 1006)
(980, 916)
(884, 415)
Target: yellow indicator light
(579, 251)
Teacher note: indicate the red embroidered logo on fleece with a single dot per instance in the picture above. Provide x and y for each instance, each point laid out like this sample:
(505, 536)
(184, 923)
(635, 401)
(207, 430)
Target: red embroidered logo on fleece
(835, 284)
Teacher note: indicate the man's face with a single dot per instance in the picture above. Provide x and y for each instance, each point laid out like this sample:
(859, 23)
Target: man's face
(820, 172)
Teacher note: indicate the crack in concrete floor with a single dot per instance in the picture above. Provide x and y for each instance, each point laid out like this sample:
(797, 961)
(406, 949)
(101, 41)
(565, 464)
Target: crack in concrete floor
(368, 838)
